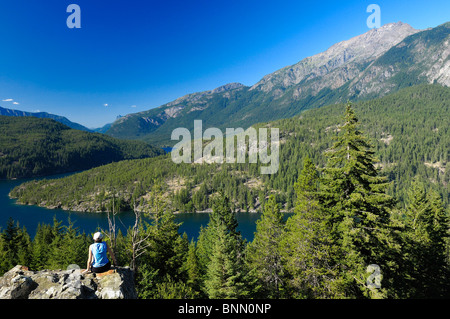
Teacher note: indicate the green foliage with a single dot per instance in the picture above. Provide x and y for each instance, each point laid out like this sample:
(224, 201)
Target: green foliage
(192, 269)
(354, 195)
(15, 245)
(223, 276)
(162, 270)
(166, 247)
(425, 237)
(408, 131)
(223, 259)
(53, 247)
(264, 253)
(285, 93)
(37, 147)
(306, 246)
(353, 207)
(314, 255)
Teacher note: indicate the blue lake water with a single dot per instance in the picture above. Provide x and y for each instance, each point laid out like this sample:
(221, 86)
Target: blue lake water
(31, 216)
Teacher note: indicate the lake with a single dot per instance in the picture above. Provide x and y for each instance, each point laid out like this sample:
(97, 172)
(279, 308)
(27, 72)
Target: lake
(31, 216)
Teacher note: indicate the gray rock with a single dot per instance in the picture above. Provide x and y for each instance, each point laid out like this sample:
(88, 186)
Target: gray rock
(16, 284)
(21, 283)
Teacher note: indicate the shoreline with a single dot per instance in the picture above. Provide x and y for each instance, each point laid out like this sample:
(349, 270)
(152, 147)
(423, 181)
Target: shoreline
(206, 211)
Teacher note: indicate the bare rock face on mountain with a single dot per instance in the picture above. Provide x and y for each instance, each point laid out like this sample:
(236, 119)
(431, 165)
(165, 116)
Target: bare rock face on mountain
(371, 65)
(423, 58)
(198, 98)
(142, 123)
(339, 64)
(21, 283)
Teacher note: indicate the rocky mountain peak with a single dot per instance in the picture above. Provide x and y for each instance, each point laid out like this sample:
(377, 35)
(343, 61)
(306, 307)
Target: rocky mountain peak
(360, 49)
(373, 64)
(227, 87)
(197, 97)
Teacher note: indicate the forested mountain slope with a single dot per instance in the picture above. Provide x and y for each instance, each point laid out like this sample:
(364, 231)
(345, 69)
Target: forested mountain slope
(31, 147)
(408, 129)
(374, 64)
(43, 115)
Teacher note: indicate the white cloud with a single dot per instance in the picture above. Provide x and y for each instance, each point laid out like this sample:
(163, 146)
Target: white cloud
(106, 104)
(7, 100)
(16, 103)
(133, 106)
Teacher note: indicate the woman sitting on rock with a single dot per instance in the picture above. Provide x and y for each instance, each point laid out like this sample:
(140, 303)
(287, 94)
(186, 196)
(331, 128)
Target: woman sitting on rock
(98, 261)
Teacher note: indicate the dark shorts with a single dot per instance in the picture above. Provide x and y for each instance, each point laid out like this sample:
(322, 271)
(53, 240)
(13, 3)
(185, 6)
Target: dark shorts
(102, 268)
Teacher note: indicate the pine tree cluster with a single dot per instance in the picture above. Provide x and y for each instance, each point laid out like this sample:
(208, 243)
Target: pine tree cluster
(347, 238)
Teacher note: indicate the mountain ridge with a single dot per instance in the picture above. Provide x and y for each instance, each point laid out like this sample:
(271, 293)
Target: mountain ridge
(370, 44)
(31, 147)
(409, 130)
(367, 66)
(57, 118)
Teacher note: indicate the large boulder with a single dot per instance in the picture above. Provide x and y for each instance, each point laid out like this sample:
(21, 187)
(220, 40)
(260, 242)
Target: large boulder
(22, 283)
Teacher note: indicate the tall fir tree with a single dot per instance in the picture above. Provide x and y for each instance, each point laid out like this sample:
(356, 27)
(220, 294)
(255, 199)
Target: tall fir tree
(221, 248)
(427, 226)
(192, 269)
(264, 253)
(68, 246)
(39, 247)
(221, 214)
(23, 247)
(4, 262)
(306, 245)
(8, 240)
(225, 276)
(161, 268)
(354, 194)
(16, 245)
(167, 250)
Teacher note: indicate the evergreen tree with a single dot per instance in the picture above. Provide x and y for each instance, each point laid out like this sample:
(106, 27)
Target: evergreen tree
(225, 277)
(166, 252)
(55, 259)
(221, 214)
(23, 247)
(221, 253)
(122, 249)
(146, 280)
(4, 260)
(204, 249)
(167, 249)
(40, 246)
(359, 208)
(67, 247)
(263, 253)
(171, 289)
(427, 227)
(9, 237)
(76, 245)
(192, 269)
(16, 246)
(306, 246)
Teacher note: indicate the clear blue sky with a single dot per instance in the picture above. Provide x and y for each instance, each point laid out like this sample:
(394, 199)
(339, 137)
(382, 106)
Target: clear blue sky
(136, 55)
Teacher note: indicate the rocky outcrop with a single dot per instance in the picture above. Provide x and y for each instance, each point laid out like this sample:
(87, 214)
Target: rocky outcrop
(22, 283)
(339, 64)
